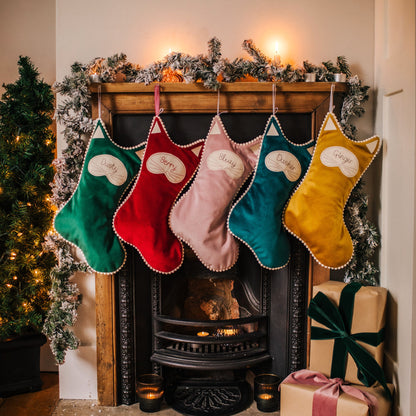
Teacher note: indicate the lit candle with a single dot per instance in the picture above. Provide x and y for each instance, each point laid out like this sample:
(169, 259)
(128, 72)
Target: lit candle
(266, 392)
(94, 77)
(276, 59)
(203, 334)
(150, 392)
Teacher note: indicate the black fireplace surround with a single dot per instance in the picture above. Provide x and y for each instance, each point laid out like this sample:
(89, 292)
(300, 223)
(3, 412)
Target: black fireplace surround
(268, 336)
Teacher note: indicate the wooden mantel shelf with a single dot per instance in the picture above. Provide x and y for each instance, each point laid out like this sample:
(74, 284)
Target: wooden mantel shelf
(291, 97)
(133, 87)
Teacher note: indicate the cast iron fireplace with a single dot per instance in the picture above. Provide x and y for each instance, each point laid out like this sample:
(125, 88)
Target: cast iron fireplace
(268, 333)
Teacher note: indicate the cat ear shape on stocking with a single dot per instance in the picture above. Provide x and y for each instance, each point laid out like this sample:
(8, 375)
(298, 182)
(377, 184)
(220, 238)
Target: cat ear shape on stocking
(315, 212)
(86, 219)
(256, 218)
(142, 220)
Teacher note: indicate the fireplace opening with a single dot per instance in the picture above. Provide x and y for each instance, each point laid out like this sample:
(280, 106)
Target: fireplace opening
(207, 320)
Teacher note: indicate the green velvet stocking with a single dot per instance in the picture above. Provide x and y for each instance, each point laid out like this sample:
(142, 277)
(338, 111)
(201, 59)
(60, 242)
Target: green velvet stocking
(86, 219)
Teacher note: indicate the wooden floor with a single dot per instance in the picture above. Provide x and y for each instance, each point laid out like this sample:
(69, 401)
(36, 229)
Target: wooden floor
(39, 403)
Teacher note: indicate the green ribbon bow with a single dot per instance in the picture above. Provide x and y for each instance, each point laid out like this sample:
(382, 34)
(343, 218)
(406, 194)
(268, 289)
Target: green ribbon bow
(338, 321)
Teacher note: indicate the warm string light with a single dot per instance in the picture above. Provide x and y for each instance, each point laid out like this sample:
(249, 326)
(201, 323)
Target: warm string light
(18, 135)
(13, 255)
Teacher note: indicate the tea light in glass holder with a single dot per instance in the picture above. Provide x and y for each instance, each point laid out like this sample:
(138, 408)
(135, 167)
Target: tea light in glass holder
(266, 392)
(340, 77)
(150, 392)
(310, 77)
(95, 78)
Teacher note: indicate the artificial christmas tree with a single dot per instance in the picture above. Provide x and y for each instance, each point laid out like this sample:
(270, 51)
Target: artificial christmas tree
(26, 153)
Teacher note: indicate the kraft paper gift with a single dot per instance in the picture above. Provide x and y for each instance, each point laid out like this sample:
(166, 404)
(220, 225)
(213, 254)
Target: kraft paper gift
(298, 400)
(367, 305)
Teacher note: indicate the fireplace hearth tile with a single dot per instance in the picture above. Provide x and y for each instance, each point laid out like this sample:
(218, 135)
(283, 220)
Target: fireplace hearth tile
(91, 408)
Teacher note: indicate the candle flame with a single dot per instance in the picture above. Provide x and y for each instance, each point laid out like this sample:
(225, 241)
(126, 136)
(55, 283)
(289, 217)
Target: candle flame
(276, 48)
(265, 396)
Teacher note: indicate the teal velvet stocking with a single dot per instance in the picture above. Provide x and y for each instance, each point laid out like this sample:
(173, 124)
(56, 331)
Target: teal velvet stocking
(256, 218)
(86, 219)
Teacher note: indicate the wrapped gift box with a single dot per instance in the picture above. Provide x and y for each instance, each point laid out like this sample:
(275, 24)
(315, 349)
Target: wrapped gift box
(368, 317)
(297, 399)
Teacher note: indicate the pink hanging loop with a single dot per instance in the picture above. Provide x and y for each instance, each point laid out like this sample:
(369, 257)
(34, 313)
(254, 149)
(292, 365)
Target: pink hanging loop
(157, 99)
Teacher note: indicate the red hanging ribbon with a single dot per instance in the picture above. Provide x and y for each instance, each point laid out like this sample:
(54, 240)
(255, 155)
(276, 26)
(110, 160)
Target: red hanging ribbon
(326, 397)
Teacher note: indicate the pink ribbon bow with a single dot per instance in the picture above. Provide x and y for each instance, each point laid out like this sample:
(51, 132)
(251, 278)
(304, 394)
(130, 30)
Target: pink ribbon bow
(325, 398)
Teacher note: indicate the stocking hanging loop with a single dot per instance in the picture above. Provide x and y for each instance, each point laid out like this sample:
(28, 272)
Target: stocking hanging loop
(158, 110)
(274, 99)
(99, 101)
(331, 98)
(218, 104)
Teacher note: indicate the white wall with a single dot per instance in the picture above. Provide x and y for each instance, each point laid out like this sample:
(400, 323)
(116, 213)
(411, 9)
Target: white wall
(395, 122)
(27, 28)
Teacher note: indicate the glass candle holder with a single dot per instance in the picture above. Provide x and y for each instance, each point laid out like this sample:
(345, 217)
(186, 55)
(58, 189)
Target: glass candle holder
(150, 392)
(266, 392)
(310, 77)
(340, 77)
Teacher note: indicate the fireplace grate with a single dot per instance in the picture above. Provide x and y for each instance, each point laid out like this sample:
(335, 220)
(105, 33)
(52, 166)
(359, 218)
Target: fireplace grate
(210, 345)
(213, 348)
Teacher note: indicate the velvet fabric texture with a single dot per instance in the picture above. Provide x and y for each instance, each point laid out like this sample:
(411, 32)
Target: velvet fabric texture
(199, 218)
(256, 218)
(315, 212)
(142, 220)
(86, 219)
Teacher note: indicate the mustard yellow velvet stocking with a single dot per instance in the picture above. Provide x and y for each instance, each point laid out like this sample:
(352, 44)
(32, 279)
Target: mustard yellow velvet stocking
(315, 212)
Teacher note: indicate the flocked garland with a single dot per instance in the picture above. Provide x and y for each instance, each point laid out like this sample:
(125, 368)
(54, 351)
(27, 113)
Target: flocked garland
(74, 113)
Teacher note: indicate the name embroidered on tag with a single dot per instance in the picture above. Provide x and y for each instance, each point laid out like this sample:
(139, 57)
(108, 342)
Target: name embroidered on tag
(286, 162)
(227, 161)
(169, 165)
(109, 166)
(344, 159)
